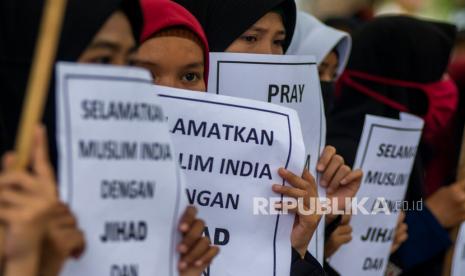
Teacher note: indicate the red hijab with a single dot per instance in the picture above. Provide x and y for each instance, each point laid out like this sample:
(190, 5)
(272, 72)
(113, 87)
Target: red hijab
(160, 15)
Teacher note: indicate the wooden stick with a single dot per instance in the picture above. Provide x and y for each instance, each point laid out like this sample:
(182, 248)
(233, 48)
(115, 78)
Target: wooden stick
(38, 85)
(454, 232)
(39, 79)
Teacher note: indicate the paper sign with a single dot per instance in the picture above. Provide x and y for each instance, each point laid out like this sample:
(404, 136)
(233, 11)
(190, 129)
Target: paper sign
(386, 155)
(290, 81)
(230, 150)
(458, 261)
(118, 171)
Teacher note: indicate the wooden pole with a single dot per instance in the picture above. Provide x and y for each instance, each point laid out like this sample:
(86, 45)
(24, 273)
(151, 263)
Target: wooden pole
(454, 232)
(38, 85)
(39, 78)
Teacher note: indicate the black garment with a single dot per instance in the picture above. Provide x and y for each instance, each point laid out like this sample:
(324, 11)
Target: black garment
(2, 135)
(225, 20)
(407, 49)
(327, 91)
(308, 266)
(330, 271)
(19, 21)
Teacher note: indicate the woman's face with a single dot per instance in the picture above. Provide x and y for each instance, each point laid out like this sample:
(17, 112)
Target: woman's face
(112, 44)
(328, 67)
(173, 61)
(266, 36)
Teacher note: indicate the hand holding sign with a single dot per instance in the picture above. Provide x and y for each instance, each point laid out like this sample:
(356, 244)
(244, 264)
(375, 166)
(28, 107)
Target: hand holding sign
(290, 81)
(448, 204)
(306, 221)
(401, 233)
(63, 240)
(196, 251)
(340, 236)
(386, 154)
(339, 179)
(26, 200)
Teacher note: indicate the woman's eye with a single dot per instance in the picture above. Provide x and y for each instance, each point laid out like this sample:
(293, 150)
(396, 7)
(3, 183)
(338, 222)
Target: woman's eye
(102, 60)
(279, 42)
(190, 77)
(249, 38)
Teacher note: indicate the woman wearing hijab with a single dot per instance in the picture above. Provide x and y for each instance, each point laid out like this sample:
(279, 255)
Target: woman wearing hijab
(263, 27)
(18, 33)
(391, 71)
(267, 27)
(110, 45)
(330, 47)
(115, 44)
(312, 37)
(173, 46)
(175, 49)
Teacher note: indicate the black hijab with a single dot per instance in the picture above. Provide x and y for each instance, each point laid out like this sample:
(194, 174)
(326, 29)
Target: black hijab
(395, 47)
(412, 50)
(19, 24)
(225, 20)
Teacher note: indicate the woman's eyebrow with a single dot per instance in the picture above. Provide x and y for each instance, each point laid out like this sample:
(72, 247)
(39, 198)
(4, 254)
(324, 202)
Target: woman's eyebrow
(258, 29)
(281, 32)
(142, 62)
(194, 65)
(104, 44)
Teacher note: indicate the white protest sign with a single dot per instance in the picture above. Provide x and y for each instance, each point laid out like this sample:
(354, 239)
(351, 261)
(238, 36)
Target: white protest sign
(118, 171)
(230, 150)
(290, 81)
(386, 154)
(458, 261)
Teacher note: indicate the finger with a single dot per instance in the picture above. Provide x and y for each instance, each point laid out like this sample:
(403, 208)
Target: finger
(343, 239)
(345, 230)
(336, 181)
(403, 228)
(353, 176)
(197, 251)
(8, 161)
(346, 219)
(336, 162)
(67, 221)
(15, 199)
(7, 215)
(187, 219)
(289, 191)
(401, 218)
(79, 244)
(293, 180)
(18, 179)
(40, 159)
(325, 158)
(402, 238)
(71, 242)
(307, 176)
(191, 237)
(60, 210)
(207, 258)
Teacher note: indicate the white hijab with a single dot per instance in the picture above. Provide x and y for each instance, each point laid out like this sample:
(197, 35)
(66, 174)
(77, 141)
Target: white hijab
(312, 37)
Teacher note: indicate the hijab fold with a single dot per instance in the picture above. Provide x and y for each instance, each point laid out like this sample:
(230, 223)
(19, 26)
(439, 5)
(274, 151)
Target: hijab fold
(159, 15)
(312, 37)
